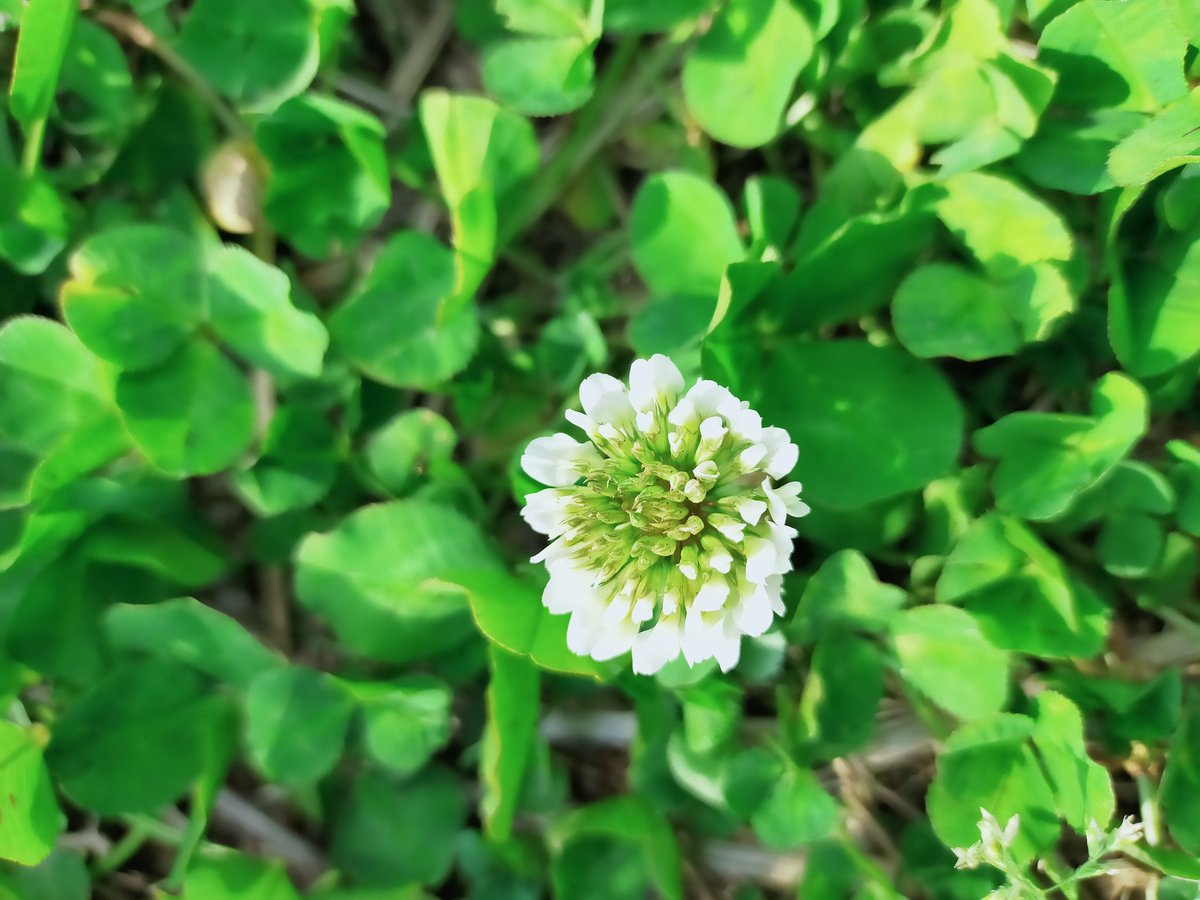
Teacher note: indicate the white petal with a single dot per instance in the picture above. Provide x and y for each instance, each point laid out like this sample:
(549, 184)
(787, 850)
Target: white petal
(583, 630)
(618, 608)
(727, 647)
(782, 537)
(752, 456)
(751, 511)
(560, 596)
(546, 511)
(569, 588)
(551, 554)
(744, 422)
(643, 610)
(754, 614)
(713, 429)
(774, 588)
(790, 493)
(657, 646)
(720, 560)
(654, 382)
(733, 531)
(775, 503)
(582, 421)
(605, 399)
(781, 452)
(614, 639)
(712, 596)
(699, 637)
(706, 396)
(670, 602)
(684, 415)
(760, 559)
(785, 501)
(558, 460)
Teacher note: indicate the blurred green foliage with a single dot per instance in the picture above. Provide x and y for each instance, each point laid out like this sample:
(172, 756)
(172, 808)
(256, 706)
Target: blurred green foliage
(287, 286)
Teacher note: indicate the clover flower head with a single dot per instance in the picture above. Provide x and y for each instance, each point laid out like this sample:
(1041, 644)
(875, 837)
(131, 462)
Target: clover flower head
(1102, 842)
(668, 523)
(993, 844)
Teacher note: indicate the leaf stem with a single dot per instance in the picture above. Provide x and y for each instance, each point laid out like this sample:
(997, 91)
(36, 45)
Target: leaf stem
(1179, 620)
(122, 850)
(1148, 807)
(31, 152)
(272, 580)
(133, 29)
(154, 829)
(189, 841)
(595, 125)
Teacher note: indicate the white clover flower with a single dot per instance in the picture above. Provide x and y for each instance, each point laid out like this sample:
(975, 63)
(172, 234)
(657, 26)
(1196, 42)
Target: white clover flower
(994, 841)
(1101, 842)
(669, 531)
(1128, 833)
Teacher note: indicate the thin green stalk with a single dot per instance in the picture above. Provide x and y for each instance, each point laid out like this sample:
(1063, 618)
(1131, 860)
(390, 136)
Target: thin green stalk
(870, 867)
(189, 841)
(1148, 807)
(156, 829)
(31, 153)
(614, 99)
(122, 850)
(135, 30)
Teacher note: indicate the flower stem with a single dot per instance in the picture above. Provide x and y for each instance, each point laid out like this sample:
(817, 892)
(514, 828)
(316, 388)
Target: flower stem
(1148, 803)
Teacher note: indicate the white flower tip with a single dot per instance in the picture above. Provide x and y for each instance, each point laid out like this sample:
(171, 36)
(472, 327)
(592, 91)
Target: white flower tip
(642, 611)
(755, 610)
(752, 456)
(581, 421)
(752, 511)
(683, 413)
(733, 531)
(652, 380)
(655, 647)
(728, 652)
(712, 596)
(760, 560)
(743, 421)
(546, 512)
(558, 460)
(713, 429)
(596, 387)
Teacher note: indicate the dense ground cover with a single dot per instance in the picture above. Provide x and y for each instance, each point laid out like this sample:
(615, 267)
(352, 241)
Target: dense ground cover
(289, 286)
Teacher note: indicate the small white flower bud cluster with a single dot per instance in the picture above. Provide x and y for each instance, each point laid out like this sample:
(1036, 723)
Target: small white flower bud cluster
(993, 844)
(1101, 843)
(994, 848)
(669, 529)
